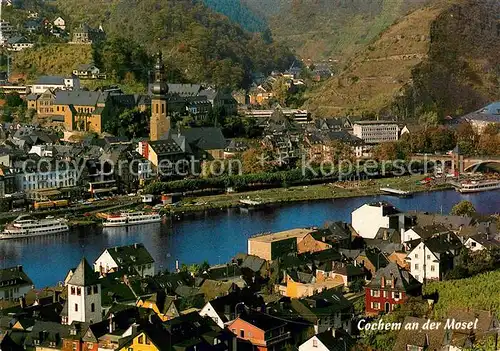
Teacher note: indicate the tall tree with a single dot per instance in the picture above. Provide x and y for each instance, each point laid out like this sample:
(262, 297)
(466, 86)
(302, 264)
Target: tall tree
(463, 208)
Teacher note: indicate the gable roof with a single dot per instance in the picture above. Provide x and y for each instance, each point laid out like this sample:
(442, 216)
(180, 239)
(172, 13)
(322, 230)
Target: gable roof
(403, 280)
(14, 276)
(131, 255)
(84, 275)
(50, 80)
(427, 339)
(80, 98)
(165, 147)
(205, 138)
(262, 321)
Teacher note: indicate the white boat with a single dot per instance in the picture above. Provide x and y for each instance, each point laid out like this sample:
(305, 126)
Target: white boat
(131, 218)
(476, 186)
(26, 226)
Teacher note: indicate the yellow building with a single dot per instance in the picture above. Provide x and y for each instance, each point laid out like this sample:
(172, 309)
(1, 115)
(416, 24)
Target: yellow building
(160, 121)
(165, 307)
(82, 110)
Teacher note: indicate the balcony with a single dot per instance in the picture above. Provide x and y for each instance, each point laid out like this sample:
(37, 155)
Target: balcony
(277, 339)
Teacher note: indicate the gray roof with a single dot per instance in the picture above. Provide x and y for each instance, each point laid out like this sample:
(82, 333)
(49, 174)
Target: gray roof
(130, 255)
(80, 98)
(184, 89)
(403, 280)
(17, 39)
(14, 276)
(206, 138)
(489, 113)
(84, 275)
(166, 147)
(50, 80)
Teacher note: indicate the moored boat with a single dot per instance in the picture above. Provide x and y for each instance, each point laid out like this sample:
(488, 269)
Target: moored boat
(131, 218)
(477, 186)
(26, 226)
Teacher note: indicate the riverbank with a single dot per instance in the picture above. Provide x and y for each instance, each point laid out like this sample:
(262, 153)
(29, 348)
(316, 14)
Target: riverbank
(278, 196)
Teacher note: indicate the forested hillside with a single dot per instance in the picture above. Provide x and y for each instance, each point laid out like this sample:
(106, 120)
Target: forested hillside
(199, 45)
(331, 28)
(238, 12)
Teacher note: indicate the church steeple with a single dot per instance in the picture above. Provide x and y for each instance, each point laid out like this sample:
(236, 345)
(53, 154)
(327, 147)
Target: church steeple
(160, 122)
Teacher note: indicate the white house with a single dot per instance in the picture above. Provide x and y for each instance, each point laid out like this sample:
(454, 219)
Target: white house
(18, 44)
(116, 258)
(60, 23)
(209, 311)
(329, 340)
(367, 219)
(434, 257)
(84, 296)
(423, 232)
(55, 82)
(14, 283)
(480, 242)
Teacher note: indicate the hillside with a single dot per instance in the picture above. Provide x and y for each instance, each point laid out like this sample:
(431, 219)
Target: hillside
(436, 58)
(238, 12)
(56, 59)
(335, 29)
(198, 44)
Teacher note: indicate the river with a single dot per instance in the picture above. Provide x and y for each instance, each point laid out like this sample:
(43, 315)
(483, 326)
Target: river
(214, 237)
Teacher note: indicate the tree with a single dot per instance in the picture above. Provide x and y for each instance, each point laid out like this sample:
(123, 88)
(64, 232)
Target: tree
(389, 151)
(257, 160)
(13, 100)
(463, 208)
(489, 145)
(130, 123)
(280, 90)
(430, 118)
(467, 138)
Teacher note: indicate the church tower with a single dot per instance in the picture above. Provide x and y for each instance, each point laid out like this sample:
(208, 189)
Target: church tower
(160, 121)
(84, 296)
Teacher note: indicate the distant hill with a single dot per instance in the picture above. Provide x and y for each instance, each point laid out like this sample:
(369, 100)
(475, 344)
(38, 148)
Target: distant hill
(238, 12)
(197, 43)
(442, 57)
(319, 29)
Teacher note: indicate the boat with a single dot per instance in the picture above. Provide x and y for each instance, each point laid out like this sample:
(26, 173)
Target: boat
(25, 226)
(396, 192)
(131, 218)
(477, 186)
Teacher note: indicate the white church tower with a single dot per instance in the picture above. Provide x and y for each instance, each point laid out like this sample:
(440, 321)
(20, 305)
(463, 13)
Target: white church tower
(84, 296)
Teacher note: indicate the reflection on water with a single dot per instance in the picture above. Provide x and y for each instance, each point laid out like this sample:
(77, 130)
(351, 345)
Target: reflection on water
(215, 237)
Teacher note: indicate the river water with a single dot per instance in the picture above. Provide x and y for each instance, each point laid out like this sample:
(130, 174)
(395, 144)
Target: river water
(214, 237)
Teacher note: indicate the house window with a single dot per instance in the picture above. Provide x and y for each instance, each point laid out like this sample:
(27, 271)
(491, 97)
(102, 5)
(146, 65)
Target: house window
(140, 340)
(74, 346)
(78, 291)
(96, 289)
(76, 307)
(148, 342)
(376, 293)
(416, 255)
(242, 333)
(385, 293)
(89, 290)
(396, 294)
(72, 290)
(376, 305)
(473, 244)
(433, 268)
(428, 257)
(92, 307)
(315, 343)
(416, 266)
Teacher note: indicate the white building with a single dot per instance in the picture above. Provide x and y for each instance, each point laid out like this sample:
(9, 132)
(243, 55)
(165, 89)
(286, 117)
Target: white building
(209, 311)
(116, 258)
(330, 340)
(84, 296)
(374, 132)
(367, 219)
(423, 232)
(482, 241)
(46, 179)
(55, 82)
(60, 23)
(14, 283)
(18, 44)
(434, 257)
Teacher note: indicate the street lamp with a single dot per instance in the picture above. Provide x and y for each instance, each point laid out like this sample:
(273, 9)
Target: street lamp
(236, 308)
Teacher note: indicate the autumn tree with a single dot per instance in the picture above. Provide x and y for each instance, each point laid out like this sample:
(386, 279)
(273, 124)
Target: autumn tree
(389, 151)
(463, 208)
(339, 151)
(257, 160)
(467, 138)
(280, 90)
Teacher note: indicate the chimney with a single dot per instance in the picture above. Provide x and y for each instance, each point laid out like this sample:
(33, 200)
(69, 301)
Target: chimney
(135, 245)
(177, 265)
(134, 326)
(111, 327)
(392, 281)
(323, 239)
(333, 332)
(22, 302)
(382, 282)
(20, 268)
(385, 234)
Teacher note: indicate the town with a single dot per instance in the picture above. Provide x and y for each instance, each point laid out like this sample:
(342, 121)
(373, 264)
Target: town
(305, 289)
(143, 130)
